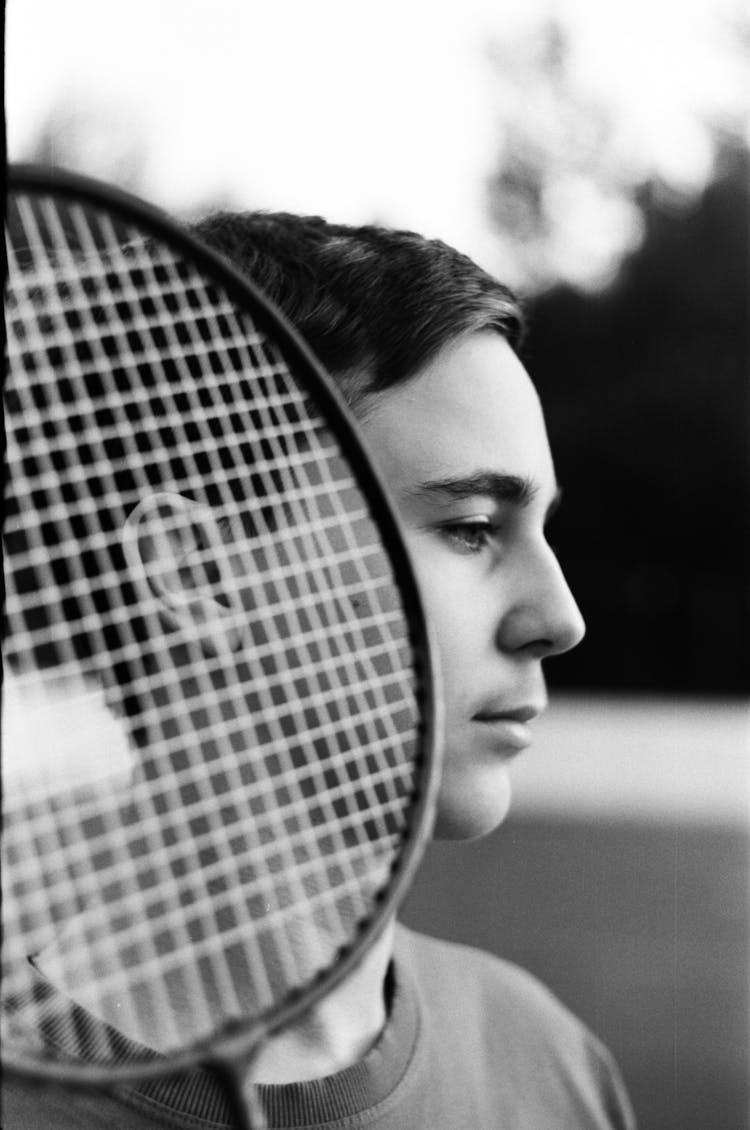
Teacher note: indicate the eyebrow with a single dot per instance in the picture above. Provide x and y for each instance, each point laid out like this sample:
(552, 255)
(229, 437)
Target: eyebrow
(517, 490)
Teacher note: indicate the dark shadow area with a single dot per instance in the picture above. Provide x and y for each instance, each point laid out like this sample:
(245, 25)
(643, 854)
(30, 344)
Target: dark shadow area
(645, 387)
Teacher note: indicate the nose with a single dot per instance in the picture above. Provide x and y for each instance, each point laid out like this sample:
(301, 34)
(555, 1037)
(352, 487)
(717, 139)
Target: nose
(542, 618)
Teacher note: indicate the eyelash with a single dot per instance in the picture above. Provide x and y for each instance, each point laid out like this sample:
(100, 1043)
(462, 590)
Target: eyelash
(470, 536)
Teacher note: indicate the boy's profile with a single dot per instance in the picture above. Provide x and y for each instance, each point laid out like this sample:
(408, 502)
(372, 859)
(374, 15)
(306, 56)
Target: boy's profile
(423, 346)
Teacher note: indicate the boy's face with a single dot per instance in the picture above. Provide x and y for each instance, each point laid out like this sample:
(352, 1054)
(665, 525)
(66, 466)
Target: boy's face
(464, 450)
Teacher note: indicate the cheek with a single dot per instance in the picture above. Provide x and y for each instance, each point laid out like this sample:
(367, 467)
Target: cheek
(458, 613)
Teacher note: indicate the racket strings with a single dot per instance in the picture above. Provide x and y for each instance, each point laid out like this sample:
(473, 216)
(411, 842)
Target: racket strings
(256, 801)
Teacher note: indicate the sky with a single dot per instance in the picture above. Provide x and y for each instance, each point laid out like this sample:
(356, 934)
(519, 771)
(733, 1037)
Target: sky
(358, 111)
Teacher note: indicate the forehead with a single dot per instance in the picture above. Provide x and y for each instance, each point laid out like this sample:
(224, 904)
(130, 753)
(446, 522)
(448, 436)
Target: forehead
(474, 407)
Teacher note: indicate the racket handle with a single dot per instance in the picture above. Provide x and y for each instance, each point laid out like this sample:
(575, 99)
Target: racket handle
(247, 1111)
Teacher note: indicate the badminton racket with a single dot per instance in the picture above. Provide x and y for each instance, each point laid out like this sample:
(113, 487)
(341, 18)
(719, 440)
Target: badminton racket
(220, 731)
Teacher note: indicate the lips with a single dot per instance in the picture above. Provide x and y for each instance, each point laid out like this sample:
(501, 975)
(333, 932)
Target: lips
(520, 714)
(526, 713)
(509, 735)
(509, 729)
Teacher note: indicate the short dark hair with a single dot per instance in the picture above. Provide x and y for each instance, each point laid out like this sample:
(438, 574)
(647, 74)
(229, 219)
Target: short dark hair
(374, 304)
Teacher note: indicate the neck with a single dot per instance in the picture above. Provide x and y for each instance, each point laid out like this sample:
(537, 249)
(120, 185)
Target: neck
(333, 1035)
(336, 1032)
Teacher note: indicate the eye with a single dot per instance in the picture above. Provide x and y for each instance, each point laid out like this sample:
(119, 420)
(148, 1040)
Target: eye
(470, 536)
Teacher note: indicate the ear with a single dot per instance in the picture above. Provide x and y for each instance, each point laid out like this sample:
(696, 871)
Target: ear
(176, 552)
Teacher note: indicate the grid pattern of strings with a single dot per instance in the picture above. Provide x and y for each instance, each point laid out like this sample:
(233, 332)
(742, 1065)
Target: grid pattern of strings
(212, 709)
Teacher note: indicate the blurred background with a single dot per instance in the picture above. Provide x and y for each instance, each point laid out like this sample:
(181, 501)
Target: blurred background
(594, 156)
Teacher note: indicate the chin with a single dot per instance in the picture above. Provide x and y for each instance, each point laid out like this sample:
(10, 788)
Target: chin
(468, 811)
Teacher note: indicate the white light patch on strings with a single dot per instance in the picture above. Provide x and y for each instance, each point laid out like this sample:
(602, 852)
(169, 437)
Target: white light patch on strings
(59, 735)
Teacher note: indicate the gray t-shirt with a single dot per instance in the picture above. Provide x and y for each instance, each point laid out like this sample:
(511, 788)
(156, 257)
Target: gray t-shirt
(472, 1043)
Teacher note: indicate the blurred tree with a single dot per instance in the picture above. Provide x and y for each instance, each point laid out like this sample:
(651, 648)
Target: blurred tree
(584, 120)
(646, 391)
(638, 272)
(559, 198)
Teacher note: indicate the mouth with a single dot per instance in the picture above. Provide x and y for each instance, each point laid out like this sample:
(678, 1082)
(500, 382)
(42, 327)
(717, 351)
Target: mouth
(510, 730)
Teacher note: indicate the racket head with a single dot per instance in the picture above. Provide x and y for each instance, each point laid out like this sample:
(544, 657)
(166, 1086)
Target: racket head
(143, 371)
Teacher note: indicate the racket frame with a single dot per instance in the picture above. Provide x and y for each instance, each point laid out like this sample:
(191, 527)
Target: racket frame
(232, 1045)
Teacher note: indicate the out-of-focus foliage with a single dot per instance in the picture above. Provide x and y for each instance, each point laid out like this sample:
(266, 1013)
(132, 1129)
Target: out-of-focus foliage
(574, 149)
(557, 198)
(639, 275)
(646, 391)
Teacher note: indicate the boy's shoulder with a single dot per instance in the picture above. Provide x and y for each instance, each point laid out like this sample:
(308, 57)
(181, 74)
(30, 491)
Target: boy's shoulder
(453, 967)
(503, 1021)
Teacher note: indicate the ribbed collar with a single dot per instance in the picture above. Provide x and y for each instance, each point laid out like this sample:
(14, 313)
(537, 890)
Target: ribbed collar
(361, 1087)
(199, 1096)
